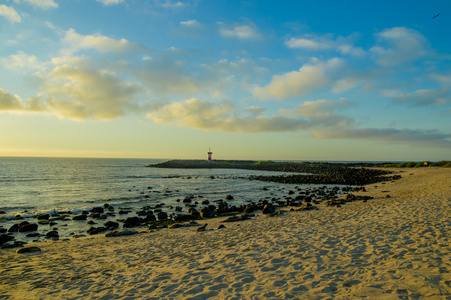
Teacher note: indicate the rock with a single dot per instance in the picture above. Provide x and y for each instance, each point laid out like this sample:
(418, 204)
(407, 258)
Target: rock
(28, 227)
(34, 234)
(182, 218)
(350, 197)
(178, 208)
(237, 218)
(221, 226)
(14, 228)
(97, 209)
(268, 209)
(162, 215)
(115, 233)
(43, 217)
(52, 234)
(150, 217)
(5, 238)
(95, 230)
(205, 202)
(175, 225)
(193, 212)
(81, 217)
(111, 224)
(91, 222)
(28, 250)
(132, 222)
(43, 222)
(202, 228)
(2, 212)
(206, 212)
(229, 197)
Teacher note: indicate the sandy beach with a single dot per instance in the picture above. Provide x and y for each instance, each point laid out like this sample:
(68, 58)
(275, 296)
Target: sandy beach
(390, 247)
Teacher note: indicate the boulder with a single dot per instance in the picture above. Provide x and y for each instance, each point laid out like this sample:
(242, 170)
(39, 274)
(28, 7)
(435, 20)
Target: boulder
(52, 234)
(162, 215)
(28, 250)
(111, 224)
(206, 212)
(95, 230)
(81, 217)
(268, 209)
(132, 222)
(229, 197)
(14, 228)
(5, 238)
(97, 209)
(115, 233)
(175, 225)
(28, 227)
(43, 217)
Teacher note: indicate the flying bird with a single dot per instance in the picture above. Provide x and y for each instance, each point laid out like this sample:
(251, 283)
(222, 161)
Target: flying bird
(436, 16)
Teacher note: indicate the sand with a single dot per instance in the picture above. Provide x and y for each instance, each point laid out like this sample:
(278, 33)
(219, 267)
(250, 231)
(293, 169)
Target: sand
(385, 248)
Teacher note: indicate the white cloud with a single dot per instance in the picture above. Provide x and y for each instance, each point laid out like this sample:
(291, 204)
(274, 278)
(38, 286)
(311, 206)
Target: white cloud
(169, 3)
(98, 42)
(239, 31)
(110, 2)
(318, 43)
(74, 89)
(209, 116)
(44, 4)
(345, 84)
(190, 23)
(414, 137)
(308, 78)
(14, 103)
(20, 61)
(399, 45)
(10, 13)
(424, 97)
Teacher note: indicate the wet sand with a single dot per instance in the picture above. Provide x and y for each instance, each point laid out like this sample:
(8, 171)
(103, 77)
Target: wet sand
(385, 248)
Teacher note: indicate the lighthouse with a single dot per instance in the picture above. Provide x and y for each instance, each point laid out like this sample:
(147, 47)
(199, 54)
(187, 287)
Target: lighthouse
(209, 154)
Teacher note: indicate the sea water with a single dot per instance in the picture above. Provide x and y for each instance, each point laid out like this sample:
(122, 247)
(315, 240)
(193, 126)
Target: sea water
(31, 186)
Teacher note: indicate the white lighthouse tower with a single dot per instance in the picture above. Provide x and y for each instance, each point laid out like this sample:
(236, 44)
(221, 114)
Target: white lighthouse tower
(209, 154)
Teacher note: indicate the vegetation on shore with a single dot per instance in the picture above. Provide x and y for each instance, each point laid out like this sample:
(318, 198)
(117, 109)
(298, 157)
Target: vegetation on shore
(422, 164)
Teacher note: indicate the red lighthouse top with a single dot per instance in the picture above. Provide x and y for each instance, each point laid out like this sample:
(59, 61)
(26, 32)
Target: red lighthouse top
(209, 154)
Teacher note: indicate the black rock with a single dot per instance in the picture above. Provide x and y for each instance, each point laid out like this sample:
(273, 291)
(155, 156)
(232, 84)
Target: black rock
(34, 234)
(5, 238)
(133, 222)
(28, 227)
(162, 215)
(43, 217)
(81, 217)
(268, 209)
(14, 228)
(229, 197)
(52, 234)
(97, 209)
(111, 224)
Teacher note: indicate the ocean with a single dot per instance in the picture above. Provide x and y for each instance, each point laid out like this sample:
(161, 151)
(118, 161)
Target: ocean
(32, 186)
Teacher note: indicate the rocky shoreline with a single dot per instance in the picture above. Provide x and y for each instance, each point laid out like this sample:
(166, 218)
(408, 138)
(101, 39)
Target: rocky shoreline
(312, 173)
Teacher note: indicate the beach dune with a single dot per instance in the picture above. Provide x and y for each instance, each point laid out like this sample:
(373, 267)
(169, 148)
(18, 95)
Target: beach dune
(395, 246)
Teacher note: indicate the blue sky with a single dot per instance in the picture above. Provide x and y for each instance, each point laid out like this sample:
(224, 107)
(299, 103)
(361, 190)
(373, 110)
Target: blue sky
(297, 80)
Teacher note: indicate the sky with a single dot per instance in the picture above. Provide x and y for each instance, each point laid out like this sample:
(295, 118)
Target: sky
(258, 79)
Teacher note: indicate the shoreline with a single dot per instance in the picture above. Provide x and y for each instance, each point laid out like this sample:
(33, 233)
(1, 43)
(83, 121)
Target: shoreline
(385, 248)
